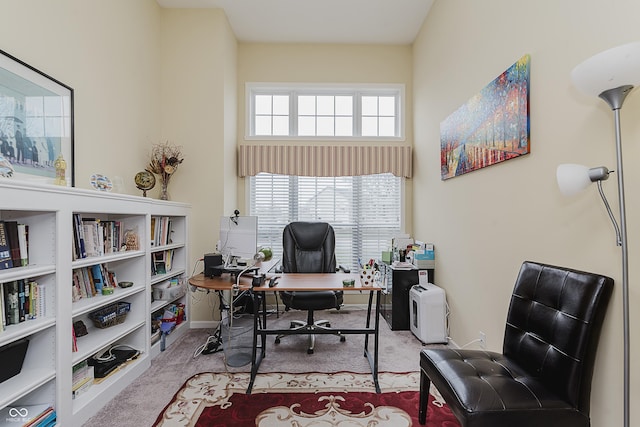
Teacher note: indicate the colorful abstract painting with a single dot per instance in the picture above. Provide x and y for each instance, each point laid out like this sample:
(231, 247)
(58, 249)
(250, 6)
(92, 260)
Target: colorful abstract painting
(491, 127)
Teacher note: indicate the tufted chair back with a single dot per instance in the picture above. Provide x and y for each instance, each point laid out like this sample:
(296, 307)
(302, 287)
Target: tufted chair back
(308, 247)
(543, 375)
(553, 325)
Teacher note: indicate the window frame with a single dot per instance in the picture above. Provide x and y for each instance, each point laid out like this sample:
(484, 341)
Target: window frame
(296, 89)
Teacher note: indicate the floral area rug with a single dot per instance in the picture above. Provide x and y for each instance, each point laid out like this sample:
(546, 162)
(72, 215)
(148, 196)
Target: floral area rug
(303, 400)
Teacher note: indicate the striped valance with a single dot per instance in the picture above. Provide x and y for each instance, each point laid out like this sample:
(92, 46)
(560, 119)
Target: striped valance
(312, 160)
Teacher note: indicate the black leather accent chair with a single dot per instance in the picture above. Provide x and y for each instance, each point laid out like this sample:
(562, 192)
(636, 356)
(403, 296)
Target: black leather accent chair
(309, 247)
(542, 378)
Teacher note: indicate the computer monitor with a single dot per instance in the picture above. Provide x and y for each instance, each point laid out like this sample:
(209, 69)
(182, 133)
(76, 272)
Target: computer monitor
(238, 236)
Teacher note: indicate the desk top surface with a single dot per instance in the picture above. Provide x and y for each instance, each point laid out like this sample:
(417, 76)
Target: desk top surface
(287, 282)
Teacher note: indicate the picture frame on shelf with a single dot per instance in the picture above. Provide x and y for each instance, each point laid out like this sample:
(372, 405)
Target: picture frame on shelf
(36, 125)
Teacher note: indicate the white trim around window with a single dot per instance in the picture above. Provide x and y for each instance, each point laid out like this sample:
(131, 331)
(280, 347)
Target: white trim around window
(284, 118)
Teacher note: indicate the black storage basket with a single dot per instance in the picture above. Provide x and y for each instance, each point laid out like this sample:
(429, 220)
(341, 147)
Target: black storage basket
(110, 315)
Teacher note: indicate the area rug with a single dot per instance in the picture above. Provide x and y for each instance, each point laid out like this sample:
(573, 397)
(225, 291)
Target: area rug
(302, 400)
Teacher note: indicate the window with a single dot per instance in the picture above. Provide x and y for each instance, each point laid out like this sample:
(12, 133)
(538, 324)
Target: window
(365, 211)
(322, 111)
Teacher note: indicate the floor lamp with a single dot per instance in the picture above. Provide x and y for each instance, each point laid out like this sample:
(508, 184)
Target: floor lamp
(611, 75)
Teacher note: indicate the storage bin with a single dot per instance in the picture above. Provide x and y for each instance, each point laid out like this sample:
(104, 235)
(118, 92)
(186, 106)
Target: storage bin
(12, 356)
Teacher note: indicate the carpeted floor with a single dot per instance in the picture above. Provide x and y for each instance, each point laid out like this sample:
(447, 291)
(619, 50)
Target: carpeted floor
(142, 401)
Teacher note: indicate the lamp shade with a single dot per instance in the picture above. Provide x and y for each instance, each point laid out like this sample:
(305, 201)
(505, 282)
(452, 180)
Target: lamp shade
(613, 68)
(572, 178)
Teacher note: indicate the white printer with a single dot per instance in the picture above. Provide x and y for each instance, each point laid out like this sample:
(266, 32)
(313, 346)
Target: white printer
(428, 313)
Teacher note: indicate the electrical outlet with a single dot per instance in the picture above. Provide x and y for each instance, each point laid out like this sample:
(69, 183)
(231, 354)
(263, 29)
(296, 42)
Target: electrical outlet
(483, 340)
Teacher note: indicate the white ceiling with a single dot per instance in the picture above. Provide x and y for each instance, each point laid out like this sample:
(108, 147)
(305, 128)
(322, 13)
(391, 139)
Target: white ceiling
(319, 21)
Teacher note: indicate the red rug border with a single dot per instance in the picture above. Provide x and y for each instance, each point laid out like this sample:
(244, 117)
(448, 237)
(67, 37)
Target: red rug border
(175, 395)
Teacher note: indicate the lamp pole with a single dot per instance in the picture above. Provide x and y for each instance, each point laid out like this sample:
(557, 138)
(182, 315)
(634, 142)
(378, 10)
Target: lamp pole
(615, 98)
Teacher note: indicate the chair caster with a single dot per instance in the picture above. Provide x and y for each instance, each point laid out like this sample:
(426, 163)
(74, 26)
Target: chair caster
(277, 341)
(310, 351)
(343, 338)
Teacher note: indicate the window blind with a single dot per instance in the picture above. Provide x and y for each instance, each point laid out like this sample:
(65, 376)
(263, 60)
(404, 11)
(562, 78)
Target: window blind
(363, 210)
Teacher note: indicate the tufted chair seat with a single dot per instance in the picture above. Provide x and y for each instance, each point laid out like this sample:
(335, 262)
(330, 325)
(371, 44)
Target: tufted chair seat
(543, 375)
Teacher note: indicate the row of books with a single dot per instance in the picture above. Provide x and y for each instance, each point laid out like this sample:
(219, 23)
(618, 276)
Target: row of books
(162, 262)
(14, 251)
(160, 230)
(82, 378)
(94, 237)
(21, 300)
(89, 281)
(28, 416)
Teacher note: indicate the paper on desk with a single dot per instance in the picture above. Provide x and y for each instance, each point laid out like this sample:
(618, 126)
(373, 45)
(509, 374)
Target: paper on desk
(402, 265)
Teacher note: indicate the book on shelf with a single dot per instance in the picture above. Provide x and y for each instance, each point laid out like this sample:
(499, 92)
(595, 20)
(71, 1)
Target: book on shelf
(23, 243)
(3, 319)
(5, 248)
(22, 301)
(93, 237)
(14, 243)
(27, 415)
(158, 263)
(46, 419)
(89, 281)
(98, 280)
(11, 302)
(78, 234)
(82, 378)
(160, 230)
(40, 299)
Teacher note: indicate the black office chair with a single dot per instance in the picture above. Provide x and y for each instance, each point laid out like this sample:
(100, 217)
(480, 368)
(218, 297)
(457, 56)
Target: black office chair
(543, 375)
(309, 247)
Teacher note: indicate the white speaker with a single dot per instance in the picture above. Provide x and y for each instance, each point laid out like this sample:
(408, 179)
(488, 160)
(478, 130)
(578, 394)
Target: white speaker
(428, 309)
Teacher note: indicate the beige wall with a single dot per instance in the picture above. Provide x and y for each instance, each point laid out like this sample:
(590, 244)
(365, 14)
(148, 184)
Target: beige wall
(485, 223)
(108, 52)
(325, 63)
(199, 112)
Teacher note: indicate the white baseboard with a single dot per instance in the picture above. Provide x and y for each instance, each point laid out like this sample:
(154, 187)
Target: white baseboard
(204, 324)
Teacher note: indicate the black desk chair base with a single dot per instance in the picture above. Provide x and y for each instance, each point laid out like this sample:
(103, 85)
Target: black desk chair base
(312, 327)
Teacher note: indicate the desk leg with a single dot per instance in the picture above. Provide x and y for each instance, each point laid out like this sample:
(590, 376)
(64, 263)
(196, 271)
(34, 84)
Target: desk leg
(255, 358)
(373, 359)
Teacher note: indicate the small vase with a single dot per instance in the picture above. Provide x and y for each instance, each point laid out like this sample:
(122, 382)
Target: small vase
(163, 191)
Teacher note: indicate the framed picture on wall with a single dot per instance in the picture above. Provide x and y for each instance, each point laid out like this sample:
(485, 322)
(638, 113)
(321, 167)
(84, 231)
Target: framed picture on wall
(493, 126)
(36, 125)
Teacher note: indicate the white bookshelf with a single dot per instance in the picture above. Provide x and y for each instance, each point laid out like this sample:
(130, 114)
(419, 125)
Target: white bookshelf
(176, 244)
(46, 375)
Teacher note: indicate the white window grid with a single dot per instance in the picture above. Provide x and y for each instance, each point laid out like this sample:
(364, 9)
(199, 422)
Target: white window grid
(386, 122)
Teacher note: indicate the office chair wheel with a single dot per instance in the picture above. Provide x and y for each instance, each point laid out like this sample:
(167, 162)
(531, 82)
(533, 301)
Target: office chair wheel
(310, 351)
(343, 338)
(277, 341)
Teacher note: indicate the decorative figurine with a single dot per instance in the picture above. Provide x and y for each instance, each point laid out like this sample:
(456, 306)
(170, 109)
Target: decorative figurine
(61, 168)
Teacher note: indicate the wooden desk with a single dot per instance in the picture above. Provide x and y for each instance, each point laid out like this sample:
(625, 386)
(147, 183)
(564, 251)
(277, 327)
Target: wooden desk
(299, 282)
(313, 282)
